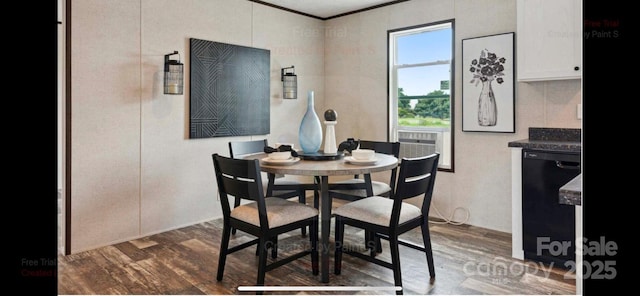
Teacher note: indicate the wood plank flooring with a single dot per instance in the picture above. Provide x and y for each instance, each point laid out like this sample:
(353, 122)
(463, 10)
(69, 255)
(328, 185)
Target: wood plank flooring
(468, 260)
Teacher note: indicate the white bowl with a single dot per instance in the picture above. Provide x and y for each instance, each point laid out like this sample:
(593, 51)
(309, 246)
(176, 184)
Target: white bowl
(280, 155)
(363, 154)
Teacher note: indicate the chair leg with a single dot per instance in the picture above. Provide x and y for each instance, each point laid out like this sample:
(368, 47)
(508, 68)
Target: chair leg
(339, 237)
(303, 200)
(236, 203)
(373, 243)
(316, 194)
(274, 246)
(369, 242)
(262, 260)
(224, 246)
(313, 237)
(426, 239)
(395, 262)
(378, 243)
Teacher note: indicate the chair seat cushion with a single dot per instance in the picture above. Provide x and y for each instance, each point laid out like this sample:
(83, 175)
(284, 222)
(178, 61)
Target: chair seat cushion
(278, 181)
(379, 188)
(377, 210)
(285, 182)
(279, 212)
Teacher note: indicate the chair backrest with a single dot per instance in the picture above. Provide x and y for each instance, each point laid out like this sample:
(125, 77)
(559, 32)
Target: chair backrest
(240, 178)
(239, 148)
(391, 148)
(416, 177)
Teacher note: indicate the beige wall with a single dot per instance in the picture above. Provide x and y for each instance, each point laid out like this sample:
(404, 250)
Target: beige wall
(105, 122)
(134, 170)
(356, 86)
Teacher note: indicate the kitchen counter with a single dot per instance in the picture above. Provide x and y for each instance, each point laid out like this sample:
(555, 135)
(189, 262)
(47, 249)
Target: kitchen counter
(571, 193)
(551, 139)
(557, 146)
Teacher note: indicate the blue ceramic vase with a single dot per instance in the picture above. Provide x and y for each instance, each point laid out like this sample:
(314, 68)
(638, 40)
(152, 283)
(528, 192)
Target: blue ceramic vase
(310, 133)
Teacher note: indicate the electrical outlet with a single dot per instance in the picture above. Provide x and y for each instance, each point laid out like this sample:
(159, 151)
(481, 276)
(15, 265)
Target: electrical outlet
(579, 111)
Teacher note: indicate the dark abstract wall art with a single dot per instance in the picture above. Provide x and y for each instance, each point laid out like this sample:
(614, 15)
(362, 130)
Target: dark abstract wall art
(229, 87)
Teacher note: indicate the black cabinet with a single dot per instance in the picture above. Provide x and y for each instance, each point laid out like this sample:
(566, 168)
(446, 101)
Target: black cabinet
(548, 227)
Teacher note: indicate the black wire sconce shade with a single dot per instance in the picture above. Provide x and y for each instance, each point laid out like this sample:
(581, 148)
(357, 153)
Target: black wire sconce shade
(173, 75)
(289, 83)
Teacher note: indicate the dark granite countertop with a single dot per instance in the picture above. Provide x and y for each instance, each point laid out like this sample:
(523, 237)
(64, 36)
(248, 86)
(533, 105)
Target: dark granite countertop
(571, 193)
(551, 139)
(562, 146)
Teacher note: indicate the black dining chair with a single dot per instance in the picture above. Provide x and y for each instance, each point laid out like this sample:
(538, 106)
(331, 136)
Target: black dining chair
(390, 217)
(273, 186)
(264, 217)
(354, 189)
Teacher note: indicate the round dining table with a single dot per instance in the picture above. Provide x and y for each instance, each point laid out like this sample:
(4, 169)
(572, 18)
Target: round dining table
(321, 170)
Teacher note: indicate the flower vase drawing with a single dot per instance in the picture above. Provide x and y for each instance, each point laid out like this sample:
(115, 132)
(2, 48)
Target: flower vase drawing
(310, 132)
(485, 70)
(488, 91)
(487, 108)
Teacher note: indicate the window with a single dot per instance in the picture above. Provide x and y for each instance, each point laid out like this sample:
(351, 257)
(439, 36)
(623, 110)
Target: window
(421, 90)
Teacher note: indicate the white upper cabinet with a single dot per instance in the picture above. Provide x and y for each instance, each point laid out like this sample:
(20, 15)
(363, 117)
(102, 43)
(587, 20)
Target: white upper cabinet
(549, 40)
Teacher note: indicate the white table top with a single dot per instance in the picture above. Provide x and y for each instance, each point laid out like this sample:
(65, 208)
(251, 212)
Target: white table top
(327, 167)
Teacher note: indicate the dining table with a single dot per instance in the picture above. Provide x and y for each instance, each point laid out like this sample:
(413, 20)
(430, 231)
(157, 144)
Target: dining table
(321, 170)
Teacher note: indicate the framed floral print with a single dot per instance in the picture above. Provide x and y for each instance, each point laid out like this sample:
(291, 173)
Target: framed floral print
(488, 84)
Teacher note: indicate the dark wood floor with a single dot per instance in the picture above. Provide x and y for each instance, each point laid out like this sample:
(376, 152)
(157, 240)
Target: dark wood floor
(468, 260)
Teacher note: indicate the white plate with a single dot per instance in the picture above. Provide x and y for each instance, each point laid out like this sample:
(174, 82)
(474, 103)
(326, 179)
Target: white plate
(289, 161)
(360, 161)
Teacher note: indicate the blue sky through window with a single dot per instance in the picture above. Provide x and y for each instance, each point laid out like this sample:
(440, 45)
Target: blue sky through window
(429, 46)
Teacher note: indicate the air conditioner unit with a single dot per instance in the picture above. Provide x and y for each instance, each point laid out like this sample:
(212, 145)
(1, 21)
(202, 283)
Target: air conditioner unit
(415, 144)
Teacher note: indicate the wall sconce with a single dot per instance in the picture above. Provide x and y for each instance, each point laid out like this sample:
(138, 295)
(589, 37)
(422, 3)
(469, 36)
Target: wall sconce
(289, 83)
(173, 75)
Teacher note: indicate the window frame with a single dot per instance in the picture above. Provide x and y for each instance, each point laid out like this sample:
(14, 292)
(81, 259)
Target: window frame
(392, 70)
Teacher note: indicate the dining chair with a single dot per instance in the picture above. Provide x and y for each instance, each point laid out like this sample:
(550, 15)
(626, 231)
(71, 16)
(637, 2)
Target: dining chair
(390, 217)
(263, 217)
(273, 186)
(353, 189)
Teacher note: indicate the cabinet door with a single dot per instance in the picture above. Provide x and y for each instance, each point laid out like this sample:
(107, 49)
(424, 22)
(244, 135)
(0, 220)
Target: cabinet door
(549, 39)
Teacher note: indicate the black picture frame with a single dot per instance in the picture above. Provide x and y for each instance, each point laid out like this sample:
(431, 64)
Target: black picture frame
(488, 83)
